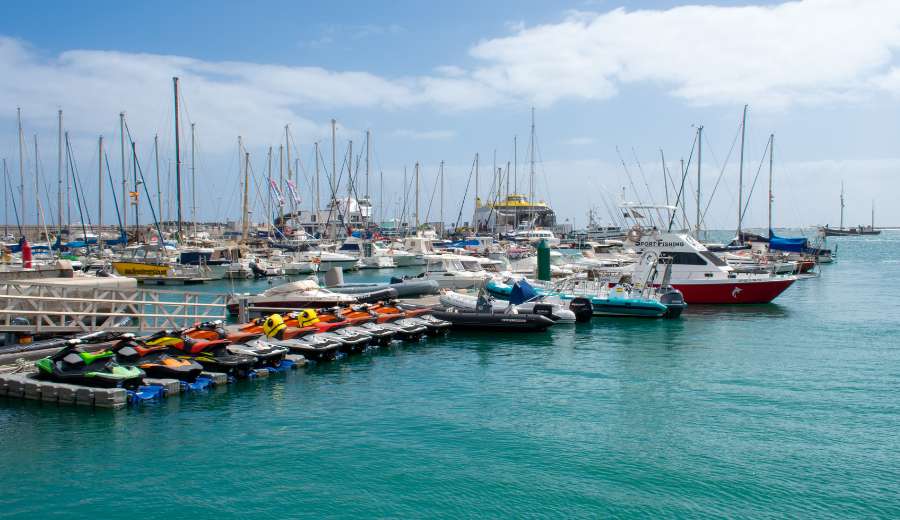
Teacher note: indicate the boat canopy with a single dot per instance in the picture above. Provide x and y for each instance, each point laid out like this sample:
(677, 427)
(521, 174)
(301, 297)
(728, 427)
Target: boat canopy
(794, 245)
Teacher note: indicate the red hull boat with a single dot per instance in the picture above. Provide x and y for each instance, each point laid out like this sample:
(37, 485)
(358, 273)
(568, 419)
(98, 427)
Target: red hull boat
(708, 292)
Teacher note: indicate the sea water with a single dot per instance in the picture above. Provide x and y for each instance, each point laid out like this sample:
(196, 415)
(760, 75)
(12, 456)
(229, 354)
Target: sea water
(785, 410)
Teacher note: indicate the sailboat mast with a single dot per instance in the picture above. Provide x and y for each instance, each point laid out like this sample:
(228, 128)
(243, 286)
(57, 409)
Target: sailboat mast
(158, 186)
(842, 205)
(100, 197)
(59, 175)
(442, 198)
(281, 181)
(5, 199)
(37, 185)
(741, 177)
(351, 182)
(381, 198)
(137, 230)
(193, 182)
(177, 158)
(316, 152)
(124, 178)
(21, 164)
(417, 195)
(475, 205)
(245, 221)
(368, 159)
(771, 161)
(873, 215)
(333, 175)
(287, 152)
(269, 191)
(515, 164)
(699, 161)
(531, 170)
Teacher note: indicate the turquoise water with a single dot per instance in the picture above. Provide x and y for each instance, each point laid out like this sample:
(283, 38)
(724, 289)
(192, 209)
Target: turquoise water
(783, 410)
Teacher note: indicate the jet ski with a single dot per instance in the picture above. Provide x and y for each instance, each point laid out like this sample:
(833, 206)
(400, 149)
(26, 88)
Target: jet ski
(156, 361)
(353, 339)
(266, 355)
(433, 325)
(381, 334)
(314, 347)
(407, 329)
(71, 364)
(212, 354)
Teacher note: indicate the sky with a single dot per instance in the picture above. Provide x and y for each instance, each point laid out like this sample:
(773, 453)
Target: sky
(614, 87)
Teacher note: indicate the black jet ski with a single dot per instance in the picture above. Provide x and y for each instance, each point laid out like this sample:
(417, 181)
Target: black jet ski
(434, 325)
(381, 334)
(155, 360)
(266, 354)
(353, 339)
(71, 364)
(407, 329)
(313, 347)
(212, 354)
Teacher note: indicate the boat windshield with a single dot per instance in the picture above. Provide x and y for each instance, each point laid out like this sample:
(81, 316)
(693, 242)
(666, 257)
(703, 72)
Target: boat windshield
(713, 258)
(471, 265)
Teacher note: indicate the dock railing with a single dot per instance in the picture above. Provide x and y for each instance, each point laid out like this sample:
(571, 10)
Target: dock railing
(39, 309)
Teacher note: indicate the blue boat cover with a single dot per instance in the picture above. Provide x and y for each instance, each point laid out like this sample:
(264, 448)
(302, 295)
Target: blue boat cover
(522, 292)
(793, 245)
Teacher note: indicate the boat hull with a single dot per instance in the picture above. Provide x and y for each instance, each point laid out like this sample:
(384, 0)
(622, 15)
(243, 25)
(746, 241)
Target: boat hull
(140, 269)
(628, 309)
(763, 291)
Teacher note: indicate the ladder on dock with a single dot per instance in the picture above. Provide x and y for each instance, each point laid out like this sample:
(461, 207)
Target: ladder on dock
(43, 309)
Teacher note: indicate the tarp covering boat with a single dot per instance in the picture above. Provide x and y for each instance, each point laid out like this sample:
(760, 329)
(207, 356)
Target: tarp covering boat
(522, 292)
(793, 245)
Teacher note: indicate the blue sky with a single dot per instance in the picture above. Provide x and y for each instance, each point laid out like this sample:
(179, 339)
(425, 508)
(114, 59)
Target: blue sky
(442, 81)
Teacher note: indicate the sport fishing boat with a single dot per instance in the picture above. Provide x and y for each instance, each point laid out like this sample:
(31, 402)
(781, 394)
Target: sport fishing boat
(700, 275)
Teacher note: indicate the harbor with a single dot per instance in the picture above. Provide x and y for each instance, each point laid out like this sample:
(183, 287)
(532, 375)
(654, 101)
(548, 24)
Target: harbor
(450, 260)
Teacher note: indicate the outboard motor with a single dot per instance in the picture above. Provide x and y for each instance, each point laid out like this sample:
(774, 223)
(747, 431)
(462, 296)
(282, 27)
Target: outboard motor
(582, 309)
(673, 300)
(484, 303)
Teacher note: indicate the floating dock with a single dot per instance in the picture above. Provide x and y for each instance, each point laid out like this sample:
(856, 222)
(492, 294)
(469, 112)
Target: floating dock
(24, 385)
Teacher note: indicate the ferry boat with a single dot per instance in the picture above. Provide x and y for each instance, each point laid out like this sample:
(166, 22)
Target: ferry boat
(511, 212)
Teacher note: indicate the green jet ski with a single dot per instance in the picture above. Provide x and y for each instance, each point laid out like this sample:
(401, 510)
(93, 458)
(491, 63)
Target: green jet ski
(73, 365)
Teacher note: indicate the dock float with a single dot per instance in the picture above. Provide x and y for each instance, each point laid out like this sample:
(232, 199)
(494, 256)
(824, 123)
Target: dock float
(23, 385)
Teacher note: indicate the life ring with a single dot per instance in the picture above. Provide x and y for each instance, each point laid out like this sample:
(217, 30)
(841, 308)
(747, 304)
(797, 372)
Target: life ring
(317, 260)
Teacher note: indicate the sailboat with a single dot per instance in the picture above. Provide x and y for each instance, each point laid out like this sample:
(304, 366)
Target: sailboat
(850, 232)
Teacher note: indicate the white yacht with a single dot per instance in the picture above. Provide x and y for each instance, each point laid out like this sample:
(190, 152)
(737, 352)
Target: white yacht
(455, 271)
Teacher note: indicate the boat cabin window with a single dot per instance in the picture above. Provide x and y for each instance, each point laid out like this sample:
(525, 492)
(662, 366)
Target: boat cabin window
(713, 258)
(688, 258)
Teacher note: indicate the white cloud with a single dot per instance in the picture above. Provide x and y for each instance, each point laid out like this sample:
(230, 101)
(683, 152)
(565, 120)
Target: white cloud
(579, 141)
(425, 135)
(809, 51)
